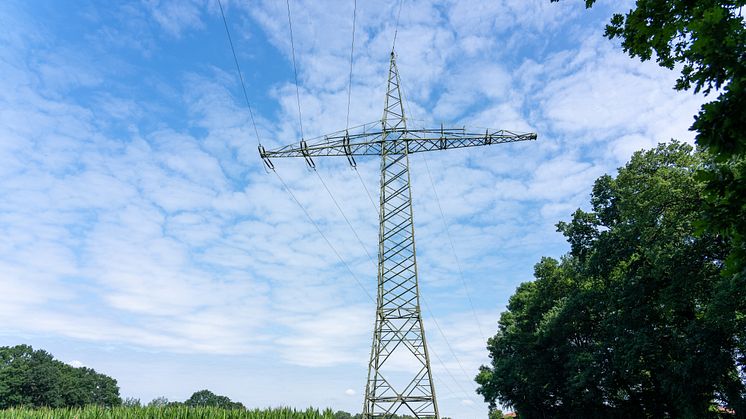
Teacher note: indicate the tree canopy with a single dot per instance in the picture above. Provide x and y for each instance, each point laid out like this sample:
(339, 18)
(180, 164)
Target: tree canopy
(707, 38)
(206, 398)
(628, 324)
(706, 41)
(35, 379)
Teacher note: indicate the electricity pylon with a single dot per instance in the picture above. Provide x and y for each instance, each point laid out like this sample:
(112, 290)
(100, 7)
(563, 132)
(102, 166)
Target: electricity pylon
(399, 333)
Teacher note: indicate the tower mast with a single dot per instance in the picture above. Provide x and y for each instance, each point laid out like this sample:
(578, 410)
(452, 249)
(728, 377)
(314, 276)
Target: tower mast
(399, 334)
(398, 315)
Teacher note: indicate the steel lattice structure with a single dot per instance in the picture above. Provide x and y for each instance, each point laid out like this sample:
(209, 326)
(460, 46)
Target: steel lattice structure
(399, 330)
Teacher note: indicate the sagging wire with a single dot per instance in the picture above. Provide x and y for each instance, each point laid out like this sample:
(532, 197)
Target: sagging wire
(453, 249)
(295, 69)
(240, 75)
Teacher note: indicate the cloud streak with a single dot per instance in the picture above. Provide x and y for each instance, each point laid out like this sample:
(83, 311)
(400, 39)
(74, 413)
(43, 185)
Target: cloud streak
(136, 212)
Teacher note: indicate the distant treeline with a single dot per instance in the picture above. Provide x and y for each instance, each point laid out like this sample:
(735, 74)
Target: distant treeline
(163, 412)
(35, 385)
(35, 379)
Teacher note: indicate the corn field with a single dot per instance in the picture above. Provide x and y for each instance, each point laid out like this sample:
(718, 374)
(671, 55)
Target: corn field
(169, 412)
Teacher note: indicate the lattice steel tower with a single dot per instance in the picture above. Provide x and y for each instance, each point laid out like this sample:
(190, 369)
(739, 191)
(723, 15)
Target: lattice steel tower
(399, 334)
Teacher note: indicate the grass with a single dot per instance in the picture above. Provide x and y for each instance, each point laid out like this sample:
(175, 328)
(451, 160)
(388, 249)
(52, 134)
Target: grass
(169, 412)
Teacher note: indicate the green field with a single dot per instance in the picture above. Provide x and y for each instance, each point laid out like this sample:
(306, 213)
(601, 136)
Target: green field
(180, 412)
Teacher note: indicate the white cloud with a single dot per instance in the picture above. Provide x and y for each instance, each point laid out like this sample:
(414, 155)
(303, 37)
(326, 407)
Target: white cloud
(176, 17)
(175, 192)
(144, 219)
(76, 364)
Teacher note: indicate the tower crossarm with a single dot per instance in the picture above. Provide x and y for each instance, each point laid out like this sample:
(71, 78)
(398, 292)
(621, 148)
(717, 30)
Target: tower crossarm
(399, 331)
(413, 140)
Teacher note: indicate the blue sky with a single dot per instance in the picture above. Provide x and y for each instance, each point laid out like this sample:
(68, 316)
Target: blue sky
(142, 237)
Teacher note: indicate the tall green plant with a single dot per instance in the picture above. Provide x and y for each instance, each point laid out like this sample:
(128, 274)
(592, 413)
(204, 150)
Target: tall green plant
(170, 412)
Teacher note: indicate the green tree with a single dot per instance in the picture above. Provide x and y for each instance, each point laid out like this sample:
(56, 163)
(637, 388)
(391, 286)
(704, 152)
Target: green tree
(706, 39)
(621, 326)
(496, 414)
(208, 398)
(340, 414)
(160, 401)
(35, 378)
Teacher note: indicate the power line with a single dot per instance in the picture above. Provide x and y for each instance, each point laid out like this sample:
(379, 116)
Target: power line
(453, 248)
(295, 69)
(450, 348)
(396, 29)
(367, 192)
(427, 307)
(354, 232)
(321, 232)
(300, 121)
(448, 371)
(295, 199)
(282, 181)
(240, 75)
(339, 208)
(352, 53)
(406, 104)
(347, 220)
(349, 95)
(445, 225)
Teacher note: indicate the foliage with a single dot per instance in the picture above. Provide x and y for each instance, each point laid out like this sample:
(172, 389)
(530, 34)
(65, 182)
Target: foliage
(168, 412)
(206, 398)
(35, 378)
(706, 39)
(626, 324)
(342, 415)
(160, 401)
(131, 402)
